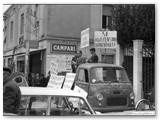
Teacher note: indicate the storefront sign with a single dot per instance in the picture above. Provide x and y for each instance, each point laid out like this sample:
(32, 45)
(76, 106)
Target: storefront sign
(85, 38)
(69, 81)
(54, 67)
(105, 39)
(63, 47)
(56, 81)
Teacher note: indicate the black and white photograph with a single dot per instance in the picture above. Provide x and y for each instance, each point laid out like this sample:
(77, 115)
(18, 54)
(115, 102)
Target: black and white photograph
(79, 59)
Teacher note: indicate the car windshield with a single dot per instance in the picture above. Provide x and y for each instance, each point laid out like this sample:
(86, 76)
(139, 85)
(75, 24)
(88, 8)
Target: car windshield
(54, 106)
(108, 74)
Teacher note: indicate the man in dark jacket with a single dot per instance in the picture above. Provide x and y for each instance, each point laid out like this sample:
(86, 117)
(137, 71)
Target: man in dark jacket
(94, 57)
(43, 81)
(11, 93)
(73, 63)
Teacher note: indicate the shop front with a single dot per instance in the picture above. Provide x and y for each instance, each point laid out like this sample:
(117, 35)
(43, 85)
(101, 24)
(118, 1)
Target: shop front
(58, 60)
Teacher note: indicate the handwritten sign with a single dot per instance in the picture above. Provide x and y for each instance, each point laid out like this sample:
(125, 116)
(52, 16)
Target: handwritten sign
(85, 38)
(54, 67)
(56, 81)
(69, 80)
(105, 39)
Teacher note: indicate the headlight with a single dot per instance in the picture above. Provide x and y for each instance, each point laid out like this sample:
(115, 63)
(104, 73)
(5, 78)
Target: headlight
(132, 96)
(100, 97)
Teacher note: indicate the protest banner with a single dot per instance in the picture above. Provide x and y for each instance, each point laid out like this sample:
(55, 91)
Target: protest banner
(69, 80)
(55, 81)
(105, 39)
(85, 38)
(54, 67)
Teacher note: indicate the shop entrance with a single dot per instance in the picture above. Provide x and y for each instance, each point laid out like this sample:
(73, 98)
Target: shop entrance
(35, 63)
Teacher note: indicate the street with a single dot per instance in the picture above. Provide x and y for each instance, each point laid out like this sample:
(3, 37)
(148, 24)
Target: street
(149, 112)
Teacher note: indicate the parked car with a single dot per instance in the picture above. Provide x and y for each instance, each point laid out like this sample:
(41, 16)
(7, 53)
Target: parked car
(38, 101)
(142, 107)
(107, 85)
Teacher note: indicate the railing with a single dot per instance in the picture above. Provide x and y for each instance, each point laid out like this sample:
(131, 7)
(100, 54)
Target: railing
(148, 69)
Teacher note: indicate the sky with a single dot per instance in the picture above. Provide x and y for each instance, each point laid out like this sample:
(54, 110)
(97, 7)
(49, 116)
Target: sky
(5, 7)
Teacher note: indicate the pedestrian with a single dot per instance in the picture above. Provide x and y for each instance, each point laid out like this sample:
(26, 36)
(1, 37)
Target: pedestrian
(80, 59)
(35, 81)
(43, 81)
(29, 79)
(94, 57)
(73, 63)
(11, 93)
(48, 77)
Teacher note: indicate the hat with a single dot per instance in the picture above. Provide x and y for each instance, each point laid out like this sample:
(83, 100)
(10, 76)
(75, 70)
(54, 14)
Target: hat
(7, 69)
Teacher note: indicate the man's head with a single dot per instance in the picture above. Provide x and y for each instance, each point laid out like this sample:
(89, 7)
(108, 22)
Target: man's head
(6, 73)
(92, 50)
(37, 76)
(42, 75)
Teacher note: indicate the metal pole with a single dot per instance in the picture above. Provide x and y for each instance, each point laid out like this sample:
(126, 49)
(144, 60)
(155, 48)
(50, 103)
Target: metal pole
(27, 49)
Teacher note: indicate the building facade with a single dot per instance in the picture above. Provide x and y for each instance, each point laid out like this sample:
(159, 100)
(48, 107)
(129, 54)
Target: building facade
(54, 34)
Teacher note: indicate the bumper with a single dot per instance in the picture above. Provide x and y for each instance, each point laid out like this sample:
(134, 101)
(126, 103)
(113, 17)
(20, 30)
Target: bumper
(114, 109)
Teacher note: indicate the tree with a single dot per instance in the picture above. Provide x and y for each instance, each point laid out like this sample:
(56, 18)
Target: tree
(134, 21)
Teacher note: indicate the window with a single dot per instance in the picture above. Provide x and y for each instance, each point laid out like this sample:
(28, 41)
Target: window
(106, 22)
(22, 25)
(108, 74)
(83, 76)
(4, 61)
(11, 31)
(5, 29)
(36, 30)
(20, 66)
(59, 106)
(109, 59)
(9, 61)
(5, 39)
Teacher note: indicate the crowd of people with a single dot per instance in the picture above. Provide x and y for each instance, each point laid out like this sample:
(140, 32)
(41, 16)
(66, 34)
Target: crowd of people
(37, 80)
(78, 59)
(11, 90)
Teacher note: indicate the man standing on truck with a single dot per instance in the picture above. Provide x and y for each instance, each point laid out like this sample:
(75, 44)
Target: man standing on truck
(73, 63)
(94, 57)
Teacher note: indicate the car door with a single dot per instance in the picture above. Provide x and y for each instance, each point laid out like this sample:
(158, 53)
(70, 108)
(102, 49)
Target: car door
(82, 79)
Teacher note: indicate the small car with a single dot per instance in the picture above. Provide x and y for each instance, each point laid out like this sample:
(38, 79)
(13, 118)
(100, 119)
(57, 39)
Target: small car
(107, 85)
(38, 101)
(142, 107)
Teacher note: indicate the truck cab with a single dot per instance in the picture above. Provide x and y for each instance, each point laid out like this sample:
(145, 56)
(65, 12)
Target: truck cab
(107, 85)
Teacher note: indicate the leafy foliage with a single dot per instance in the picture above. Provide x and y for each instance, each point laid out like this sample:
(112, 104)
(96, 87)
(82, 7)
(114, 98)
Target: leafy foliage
(134, 21)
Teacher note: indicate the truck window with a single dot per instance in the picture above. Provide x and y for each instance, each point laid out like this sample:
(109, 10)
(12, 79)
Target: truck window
(83, 75)
(108, 74)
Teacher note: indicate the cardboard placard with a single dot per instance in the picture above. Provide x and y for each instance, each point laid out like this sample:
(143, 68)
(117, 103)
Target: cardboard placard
(69, 80)
(56, 81)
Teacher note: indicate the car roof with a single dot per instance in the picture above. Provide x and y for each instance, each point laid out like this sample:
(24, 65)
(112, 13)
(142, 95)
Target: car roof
(91, 65)
(32, 91)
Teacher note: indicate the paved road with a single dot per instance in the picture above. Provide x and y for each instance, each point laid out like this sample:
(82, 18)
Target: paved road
(148, 112)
